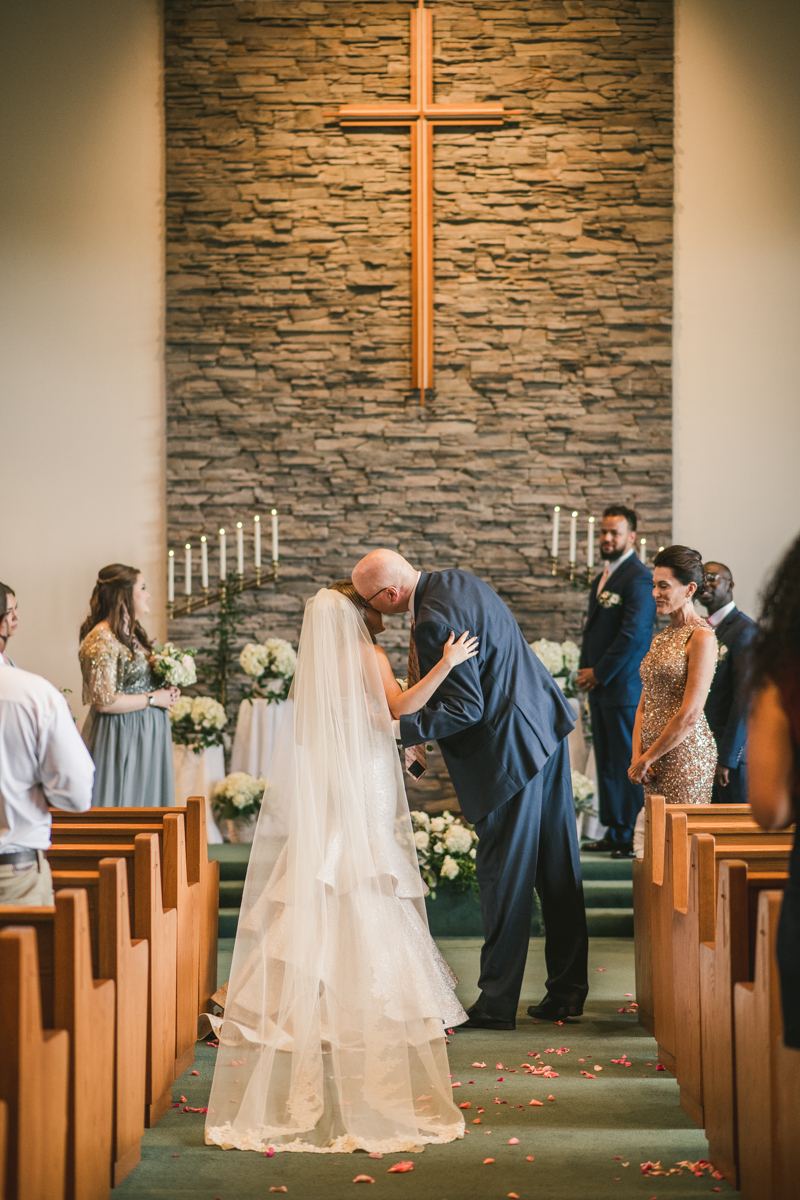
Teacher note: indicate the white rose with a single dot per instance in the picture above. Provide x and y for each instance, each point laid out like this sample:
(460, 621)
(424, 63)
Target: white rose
(437, 825)
(439, 847)
(473, 852)
(422, 839)
(447, 817)
(420, 820)
(458, 840)
(449, 868)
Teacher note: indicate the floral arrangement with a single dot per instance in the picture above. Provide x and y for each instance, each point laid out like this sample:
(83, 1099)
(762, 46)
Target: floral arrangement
(198, 722)
(583, 793)
(445, 851)
(271, 664)
(239, 795)
(562, 660)
(174, 666)
(609, 599)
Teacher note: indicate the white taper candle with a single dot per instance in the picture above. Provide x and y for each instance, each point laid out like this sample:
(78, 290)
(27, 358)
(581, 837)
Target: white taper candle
(590, 544)
(573, 536)
(171, 577)
(223, 556)
(239, 549)
(204, 561)
(556, 520)
(643, 549)
(274, 535)
(187, 577)
(257, 541)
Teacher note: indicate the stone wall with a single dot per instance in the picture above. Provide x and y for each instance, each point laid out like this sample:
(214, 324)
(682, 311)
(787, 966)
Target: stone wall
(289, 290)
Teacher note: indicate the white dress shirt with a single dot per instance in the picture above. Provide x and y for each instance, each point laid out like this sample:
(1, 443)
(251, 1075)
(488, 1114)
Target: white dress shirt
(43, 761)
(719, 616)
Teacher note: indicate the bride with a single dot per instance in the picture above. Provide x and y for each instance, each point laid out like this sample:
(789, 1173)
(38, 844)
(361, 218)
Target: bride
(332, 1038)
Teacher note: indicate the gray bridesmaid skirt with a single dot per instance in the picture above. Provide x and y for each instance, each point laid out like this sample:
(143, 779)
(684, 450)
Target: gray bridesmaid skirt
(132, 755)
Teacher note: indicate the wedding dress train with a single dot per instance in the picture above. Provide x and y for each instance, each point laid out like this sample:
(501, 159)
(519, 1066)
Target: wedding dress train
(332, 1038)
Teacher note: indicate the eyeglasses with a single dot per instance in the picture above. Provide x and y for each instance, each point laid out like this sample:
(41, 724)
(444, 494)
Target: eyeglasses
(383, 589)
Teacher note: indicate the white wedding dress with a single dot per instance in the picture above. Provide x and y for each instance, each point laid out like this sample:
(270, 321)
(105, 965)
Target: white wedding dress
(332, 1039)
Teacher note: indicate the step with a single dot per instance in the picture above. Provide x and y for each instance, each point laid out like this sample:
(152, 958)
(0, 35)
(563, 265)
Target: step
(233, 859)
(230, 893)
(610, 922)
(607, 893)
(600, 866)
(228, 922)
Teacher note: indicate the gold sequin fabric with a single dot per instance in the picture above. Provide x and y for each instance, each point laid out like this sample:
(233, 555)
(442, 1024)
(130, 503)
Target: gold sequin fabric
(684, 775)
(110, 668)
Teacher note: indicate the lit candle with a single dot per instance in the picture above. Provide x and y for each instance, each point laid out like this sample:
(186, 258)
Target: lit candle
(257, 541)
(590, 546)
(239, 549)
(643, 549)
(573, 536)
(274, 535)
(171, 577)
(556, 519)
(223, 558)
(204, 561)
(187, 579)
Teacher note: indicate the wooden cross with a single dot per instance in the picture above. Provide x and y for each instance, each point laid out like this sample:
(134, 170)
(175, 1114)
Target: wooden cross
(422, 116)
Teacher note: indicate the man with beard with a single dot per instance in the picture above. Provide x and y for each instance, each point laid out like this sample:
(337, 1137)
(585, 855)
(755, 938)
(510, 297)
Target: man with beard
(619, 629)
(726, 706)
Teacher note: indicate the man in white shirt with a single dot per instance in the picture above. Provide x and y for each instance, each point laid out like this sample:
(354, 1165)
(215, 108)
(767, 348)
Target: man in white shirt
(43, 762)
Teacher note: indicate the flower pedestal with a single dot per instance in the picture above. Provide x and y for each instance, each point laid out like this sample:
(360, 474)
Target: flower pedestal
(458, 914)
(196, 774)
(256, 730)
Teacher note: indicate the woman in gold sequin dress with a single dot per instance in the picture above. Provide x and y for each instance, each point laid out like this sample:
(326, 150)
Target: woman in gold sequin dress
(127, 730)
(674, 753)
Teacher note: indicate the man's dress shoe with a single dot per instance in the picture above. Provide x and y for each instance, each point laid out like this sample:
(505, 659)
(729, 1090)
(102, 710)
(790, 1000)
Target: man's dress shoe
(554, 1009)
(481, 1020)
(600, 847)
(624, 851)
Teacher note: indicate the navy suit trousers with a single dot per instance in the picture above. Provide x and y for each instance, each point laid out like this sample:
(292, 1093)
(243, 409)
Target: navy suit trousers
(735, 792)
(531, 841)
(620, 800)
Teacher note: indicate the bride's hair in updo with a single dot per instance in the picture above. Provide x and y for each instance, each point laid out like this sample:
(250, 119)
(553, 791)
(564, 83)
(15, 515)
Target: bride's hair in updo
(685, 564)
(345, 588)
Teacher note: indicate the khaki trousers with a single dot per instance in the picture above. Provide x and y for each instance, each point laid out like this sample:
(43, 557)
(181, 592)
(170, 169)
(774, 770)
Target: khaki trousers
(27, 883)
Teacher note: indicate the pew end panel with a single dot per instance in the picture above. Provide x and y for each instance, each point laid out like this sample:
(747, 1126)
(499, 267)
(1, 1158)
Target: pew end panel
(159, 928)
(691, 926)
(185, 899)
(205, 872)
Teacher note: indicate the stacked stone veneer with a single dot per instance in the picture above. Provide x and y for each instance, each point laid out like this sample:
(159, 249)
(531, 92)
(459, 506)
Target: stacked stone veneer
(289, 290)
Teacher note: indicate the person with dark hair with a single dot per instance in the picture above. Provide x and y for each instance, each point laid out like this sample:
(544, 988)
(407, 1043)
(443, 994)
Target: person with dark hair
(127, 730)
(773, 751)
(9, 622)
(618, 630)
(726, 706)
(674, 753)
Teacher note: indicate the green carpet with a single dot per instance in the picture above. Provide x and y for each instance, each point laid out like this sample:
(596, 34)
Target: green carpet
(630, 1112)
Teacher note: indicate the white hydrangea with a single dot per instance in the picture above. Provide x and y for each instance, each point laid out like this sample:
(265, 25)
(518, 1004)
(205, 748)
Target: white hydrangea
(422, 839)
(208, 713)
(420, 820)
(241, 789)
(181, 710)
(254, 659)
(282, 657)
(458, 840)
(438, 825)
(572, 655)
(583, 788)
(449, 868)
(550, 654)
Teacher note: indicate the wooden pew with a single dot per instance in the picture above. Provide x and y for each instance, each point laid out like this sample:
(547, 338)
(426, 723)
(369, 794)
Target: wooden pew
(199, 869)
(115, 956)
(724, 962)
(84, 1007)
(3, 1140)
(648, 878)
(178, 893)
(34, 1069)
(762, 850)
(158, 926)
(695, 924)
(767, 1075)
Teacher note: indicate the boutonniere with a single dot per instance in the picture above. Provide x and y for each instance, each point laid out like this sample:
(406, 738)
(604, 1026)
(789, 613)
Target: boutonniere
(609, 599)
(721, 652)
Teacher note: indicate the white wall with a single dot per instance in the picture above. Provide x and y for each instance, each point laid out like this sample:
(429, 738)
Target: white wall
(82, 448)
(737, 275)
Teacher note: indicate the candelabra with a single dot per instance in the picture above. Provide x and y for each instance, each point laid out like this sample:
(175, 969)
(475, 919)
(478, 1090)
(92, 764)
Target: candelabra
(207, 597)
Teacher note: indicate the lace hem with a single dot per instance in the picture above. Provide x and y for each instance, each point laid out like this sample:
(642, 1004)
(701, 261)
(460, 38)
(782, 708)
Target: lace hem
(229, 1138)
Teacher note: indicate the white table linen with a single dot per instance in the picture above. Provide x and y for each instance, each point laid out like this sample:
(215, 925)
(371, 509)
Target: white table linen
(256, 731)
(196, 773)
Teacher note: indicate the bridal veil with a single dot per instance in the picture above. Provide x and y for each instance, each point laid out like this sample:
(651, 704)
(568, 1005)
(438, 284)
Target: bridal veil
(332, 1037)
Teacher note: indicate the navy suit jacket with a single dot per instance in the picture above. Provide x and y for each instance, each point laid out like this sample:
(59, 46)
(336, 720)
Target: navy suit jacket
(499, 716)
(727, 702)
(616, 638)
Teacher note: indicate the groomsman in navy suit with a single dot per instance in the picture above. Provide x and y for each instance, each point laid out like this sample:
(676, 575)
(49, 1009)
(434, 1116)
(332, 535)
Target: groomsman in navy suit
(619, 629)
(726, 706)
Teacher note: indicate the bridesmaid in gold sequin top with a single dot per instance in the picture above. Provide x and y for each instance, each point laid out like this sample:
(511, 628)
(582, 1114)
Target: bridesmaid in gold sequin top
(674, 752)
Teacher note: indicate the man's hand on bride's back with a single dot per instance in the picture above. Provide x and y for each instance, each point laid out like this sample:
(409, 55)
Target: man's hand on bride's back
(455, 652)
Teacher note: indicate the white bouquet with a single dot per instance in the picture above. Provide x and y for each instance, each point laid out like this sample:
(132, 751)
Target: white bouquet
(445, 850)
(583, 792)
(173, 666)
(239, 795)
(197, 722)
(561, 659)
(271, 664)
